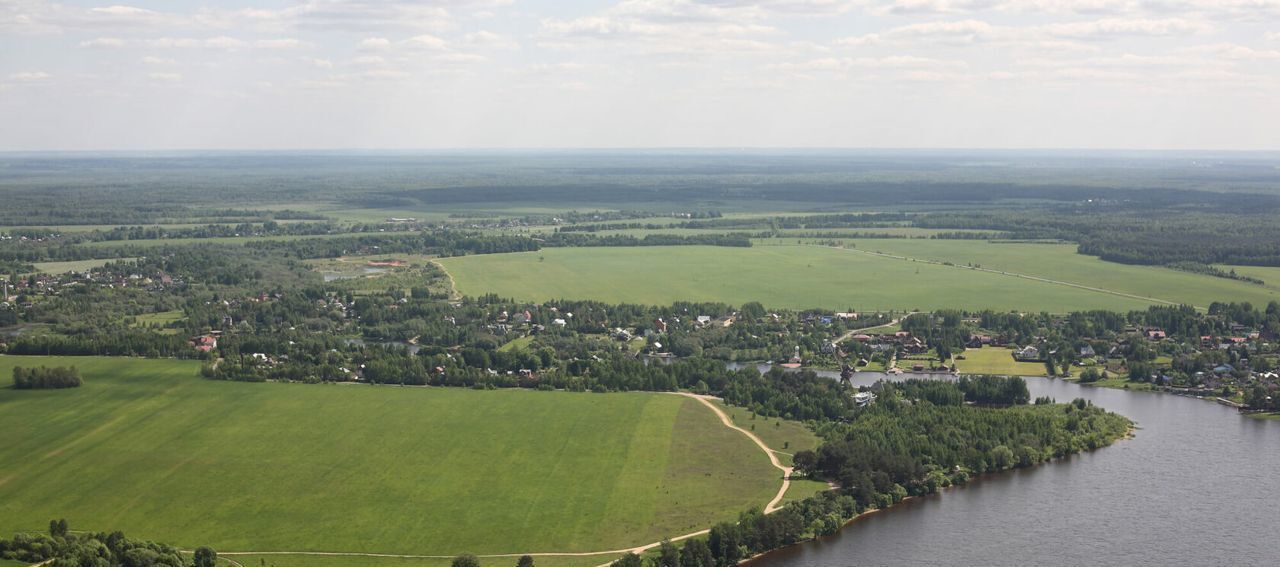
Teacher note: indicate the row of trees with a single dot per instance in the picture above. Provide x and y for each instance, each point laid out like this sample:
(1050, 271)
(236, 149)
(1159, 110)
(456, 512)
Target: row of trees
(64, 548)
(46, 378)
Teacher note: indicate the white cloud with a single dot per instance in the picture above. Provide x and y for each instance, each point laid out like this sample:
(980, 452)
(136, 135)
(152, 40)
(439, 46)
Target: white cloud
(1233, 51)
(1057, 36)
(318, 63)
(165, 77)
(425, 41)
(375, 43)
(223, 42)
(385, 74)
(283, 43)
(1213, 9)
(489, 40)
(152, 60)
(1111, 28)
(104, 42)
(887, 62)
(460, 58)
(30, 77)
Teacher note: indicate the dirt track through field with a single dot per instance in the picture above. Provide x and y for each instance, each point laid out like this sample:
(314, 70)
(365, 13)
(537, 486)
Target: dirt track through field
(772, 506)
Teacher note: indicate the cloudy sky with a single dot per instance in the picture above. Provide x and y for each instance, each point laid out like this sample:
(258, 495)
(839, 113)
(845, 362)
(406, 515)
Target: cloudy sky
(180, 74)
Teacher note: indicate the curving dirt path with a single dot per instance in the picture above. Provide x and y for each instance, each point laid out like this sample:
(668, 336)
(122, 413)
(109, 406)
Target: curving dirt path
(863, 330)
(773, 506)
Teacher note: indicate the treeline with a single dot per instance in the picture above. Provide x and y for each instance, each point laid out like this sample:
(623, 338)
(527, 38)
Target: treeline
(1235, 229)
(46, 378)
(776, 393)
(63, 548)
(124, 342)
(267, 228)
(442, 243)
(561, 239)
(1208, 270)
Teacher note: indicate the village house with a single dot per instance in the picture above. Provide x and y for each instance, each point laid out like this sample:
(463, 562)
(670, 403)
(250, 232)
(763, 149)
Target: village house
(204, 343)
(1027, 353)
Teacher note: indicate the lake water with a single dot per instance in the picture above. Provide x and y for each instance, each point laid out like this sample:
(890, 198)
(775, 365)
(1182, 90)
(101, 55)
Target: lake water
(1198, 485)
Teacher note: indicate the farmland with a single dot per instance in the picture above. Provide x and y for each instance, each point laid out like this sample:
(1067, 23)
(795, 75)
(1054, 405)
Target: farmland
(868, 274)
(779, 277)
(146, 447)
(1061, 262)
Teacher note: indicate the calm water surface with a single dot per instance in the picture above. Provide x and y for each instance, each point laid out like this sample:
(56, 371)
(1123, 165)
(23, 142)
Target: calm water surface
(1198, 485)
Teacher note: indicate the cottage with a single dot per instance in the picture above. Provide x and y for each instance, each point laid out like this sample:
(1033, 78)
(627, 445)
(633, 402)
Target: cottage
(864, 399)
(204, 343)
(1027, 353)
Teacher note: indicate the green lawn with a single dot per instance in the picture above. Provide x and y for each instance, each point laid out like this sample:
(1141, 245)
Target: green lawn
(779, 276)
(146, 447)
(996, 360)
(517, 345)
(803, 488)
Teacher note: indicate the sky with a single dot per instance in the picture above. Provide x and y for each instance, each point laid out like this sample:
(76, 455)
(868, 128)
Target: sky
(371, 74)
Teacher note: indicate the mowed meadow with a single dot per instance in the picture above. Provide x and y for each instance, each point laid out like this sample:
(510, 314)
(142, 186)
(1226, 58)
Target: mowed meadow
(147, 447)
(783, 274)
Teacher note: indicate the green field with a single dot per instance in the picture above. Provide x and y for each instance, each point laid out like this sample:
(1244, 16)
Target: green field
(146, 447)
(795, 277)
(1061, 262)
(781, 274)
(999, 361)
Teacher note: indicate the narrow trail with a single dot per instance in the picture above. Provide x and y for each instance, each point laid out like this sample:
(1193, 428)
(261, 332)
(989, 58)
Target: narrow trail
(853, 332)
(1009, 274)
(454, 294)
(773, 506)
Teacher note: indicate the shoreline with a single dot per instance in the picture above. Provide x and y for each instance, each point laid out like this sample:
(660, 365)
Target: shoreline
(1129, 434)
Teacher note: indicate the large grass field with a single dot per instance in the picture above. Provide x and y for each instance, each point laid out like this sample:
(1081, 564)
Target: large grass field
(997, 360)
(147, 447)
(1061, 262)
(795, 277)
(781, 274)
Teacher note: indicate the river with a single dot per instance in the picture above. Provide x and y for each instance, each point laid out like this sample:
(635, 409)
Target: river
(1198, 485)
